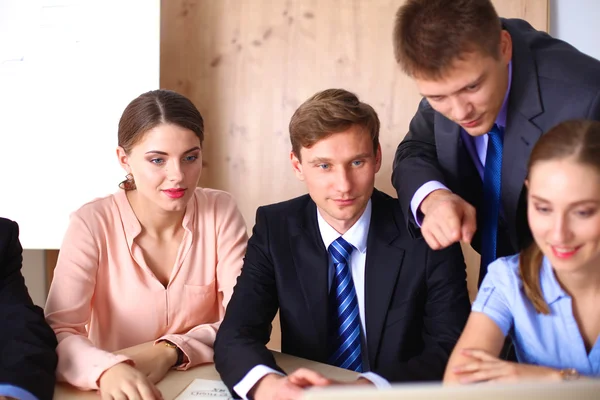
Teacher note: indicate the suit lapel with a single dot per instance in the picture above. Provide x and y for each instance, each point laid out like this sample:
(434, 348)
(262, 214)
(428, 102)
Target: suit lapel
(311, 264)
(447, 139)
(521, 133)
(383, 264)
(454, 157)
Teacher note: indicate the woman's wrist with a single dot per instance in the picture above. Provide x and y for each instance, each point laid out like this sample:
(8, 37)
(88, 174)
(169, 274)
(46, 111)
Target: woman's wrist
(568, 374)
(173, 353)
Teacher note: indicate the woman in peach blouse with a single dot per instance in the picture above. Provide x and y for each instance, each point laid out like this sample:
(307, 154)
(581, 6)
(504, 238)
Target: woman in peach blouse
(144, 275)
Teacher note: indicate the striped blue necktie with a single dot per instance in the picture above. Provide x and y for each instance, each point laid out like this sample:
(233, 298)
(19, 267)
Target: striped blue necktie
(345, 335)
(492, 178)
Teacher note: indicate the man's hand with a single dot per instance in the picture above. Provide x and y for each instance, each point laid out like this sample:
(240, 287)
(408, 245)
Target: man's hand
(358, 382)
(448, 219)
(291, 387)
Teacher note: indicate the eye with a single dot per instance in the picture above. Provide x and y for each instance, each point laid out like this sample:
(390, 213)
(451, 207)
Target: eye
(435, 99)
(472, 88)
(157, 161)
(585, 213)
(357, 163)
(324, 166)
(190, 159)
(543, 209)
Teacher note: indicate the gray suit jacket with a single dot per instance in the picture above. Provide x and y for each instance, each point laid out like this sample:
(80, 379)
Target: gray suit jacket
(551, 82)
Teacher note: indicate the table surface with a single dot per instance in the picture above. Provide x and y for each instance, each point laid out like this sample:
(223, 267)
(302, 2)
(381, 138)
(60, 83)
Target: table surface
(176, 381)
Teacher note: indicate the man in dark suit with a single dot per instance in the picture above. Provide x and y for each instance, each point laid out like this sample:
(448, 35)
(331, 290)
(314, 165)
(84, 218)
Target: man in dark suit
(352, 287)
(27, 344)
(491, 88)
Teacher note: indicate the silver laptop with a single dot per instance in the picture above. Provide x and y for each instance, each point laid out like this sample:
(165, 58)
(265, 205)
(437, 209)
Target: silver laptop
(580, 390)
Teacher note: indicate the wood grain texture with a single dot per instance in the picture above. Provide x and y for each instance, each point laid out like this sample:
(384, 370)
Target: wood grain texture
(248, 64)
(51, 256)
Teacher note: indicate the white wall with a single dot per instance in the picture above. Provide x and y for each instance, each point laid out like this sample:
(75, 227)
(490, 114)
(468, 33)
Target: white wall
(68, 68)
(577, 22)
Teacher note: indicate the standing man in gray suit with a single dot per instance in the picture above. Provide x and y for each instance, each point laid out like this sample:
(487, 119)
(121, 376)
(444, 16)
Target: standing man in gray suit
(491, 87)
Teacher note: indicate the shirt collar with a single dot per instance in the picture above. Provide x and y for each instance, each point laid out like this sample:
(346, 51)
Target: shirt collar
(132, 226)
(549, 284)
(501, 118)
(356, 235)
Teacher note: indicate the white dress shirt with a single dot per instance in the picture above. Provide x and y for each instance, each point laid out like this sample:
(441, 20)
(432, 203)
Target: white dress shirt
(357, 237)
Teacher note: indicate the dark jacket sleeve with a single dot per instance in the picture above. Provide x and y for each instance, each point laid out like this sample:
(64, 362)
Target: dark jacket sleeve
(246, 328)
(27, 344)
(415, 161)
(447, 308)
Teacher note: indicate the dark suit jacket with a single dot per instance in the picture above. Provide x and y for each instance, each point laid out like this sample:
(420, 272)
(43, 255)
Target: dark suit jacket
(551, 82)
(416, 300)
(27, 344)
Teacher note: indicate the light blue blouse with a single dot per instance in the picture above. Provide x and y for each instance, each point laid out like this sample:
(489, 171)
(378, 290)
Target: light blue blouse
(550, 340)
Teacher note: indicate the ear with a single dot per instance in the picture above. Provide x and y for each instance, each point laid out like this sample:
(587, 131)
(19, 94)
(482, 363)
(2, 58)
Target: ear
(378, 157)
(297, 166)
(123, 159)
(527, 184)
(505, 46)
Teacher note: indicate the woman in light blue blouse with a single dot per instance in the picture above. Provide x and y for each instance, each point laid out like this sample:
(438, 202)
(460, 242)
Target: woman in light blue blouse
(547, 298)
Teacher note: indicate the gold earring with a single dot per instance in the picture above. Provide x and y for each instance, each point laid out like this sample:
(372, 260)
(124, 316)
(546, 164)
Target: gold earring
(128, 183)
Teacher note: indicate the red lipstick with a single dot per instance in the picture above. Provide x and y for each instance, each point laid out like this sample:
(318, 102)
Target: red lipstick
(174, 193)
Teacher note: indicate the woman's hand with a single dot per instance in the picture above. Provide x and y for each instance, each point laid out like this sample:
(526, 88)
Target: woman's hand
(123, 381)
(154, 360)
(483, 367)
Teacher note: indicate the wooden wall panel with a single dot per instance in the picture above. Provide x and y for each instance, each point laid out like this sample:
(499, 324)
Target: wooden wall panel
(51, 257)
(248, 64)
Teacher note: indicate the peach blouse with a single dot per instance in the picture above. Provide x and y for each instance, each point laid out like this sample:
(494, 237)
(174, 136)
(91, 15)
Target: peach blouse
(104, 298)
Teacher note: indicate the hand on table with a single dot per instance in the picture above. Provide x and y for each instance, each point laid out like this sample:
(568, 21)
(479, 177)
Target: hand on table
(291, 387)
(123, 381)
(483, 367)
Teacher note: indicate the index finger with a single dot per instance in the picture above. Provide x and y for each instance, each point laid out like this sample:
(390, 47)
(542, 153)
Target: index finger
(468, 224)
(149, 392)
(451, 225)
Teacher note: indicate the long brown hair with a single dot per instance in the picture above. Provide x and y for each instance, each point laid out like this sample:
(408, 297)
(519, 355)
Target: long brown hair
(576, 139)
(152, 109)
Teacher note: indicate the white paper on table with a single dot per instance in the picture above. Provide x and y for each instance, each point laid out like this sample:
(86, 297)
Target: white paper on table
(205, 389)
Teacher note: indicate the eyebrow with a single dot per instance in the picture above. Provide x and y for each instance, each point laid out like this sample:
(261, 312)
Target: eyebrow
(318, 160)
(472, 83)
(577, 203)
(162, 153)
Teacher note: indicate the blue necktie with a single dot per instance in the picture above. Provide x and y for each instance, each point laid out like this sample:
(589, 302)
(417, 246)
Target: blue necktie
(492, 178)
(345, 331)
